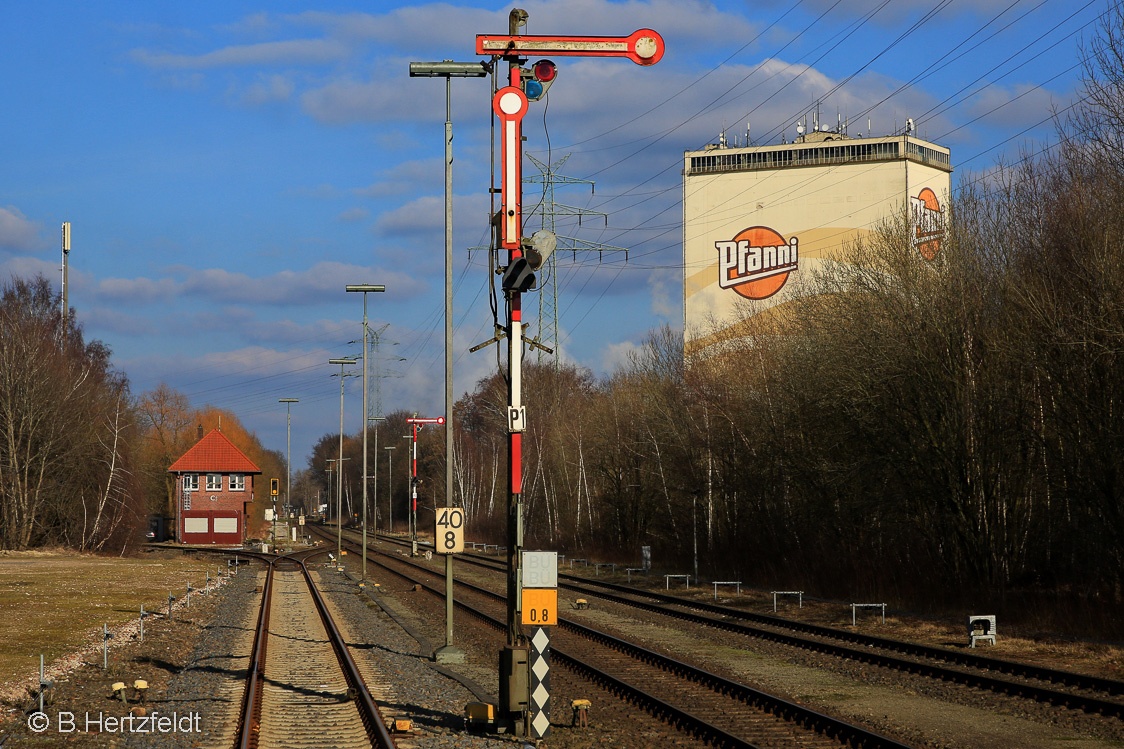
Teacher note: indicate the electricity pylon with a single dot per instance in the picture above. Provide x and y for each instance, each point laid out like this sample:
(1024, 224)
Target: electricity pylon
(548, 211)
(380, 371)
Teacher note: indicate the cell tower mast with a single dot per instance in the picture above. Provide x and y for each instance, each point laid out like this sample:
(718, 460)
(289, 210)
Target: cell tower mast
(548, 212)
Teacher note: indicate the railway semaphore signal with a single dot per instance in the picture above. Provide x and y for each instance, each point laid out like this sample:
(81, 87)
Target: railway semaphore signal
(510, 104)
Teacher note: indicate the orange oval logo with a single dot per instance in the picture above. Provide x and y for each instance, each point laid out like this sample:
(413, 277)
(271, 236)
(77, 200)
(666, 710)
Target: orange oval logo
(928, 223)
(756, 263)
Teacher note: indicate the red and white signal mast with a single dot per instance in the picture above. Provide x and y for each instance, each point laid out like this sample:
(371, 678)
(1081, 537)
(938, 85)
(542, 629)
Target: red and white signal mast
(414, 421)
(526, 255)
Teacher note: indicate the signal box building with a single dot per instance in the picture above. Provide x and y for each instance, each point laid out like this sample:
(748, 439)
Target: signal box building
(758, 220)
(214, 485)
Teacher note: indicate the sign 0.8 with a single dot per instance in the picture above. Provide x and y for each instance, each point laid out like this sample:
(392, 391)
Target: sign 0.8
(540, 607)
(448, 534)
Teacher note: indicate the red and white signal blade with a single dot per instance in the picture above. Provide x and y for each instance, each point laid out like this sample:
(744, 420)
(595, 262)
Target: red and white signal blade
(644, 47)
(438, 420)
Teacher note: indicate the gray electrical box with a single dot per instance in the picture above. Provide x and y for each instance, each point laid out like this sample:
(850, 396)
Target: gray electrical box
(515, 679)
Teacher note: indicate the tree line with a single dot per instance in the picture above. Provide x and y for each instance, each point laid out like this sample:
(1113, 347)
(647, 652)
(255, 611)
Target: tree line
(83, 462)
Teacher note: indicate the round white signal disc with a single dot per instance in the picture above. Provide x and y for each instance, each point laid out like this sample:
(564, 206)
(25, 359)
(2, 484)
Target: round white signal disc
(510, 103)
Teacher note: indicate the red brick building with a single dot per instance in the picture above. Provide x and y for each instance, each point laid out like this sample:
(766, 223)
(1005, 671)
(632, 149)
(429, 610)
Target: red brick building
(214, 483)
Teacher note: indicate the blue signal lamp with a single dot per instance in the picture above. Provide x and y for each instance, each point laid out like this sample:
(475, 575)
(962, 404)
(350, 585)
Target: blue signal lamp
(533, 89)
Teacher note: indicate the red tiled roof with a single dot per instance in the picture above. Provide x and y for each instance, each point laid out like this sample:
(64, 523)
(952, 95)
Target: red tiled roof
(214, 454)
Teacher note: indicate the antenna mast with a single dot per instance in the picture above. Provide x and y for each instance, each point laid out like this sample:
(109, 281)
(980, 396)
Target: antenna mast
(65, 281)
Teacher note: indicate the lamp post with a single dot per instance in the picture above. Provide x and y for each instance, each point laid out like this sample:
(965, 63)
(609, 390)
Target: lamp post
(389, 487)
(363, 288)
(448, 70)
(288, 447)
(339, 467)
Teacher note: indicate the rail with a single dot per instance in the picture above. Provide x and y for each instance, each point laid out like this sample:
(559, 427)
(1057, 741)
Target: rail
(250, 717)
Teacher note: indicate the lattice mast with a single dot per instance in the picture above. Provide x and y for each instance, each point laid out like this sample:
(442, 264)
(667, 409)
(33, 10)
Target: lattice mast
(548, 211)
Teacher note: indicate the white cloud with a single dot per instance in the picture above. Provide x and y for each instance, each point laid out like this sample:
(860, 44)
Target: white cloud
(290, 331)
(319, 192)
(352, 215)
(134, 290)
(424, 214)
(109, 320)
(617, 355)
(292, 52)
(420, 28)
(265, 90)
(694, 21)
(425, 217)
(16, 231)
(425, 174)
(255, 23)
(321, 283)
(29, 267)
(349, 100)
(667, 295)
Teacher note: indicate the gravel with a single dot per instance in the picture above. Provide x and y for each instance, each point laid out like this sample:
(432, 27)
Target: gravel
(197, 662)
(397, 663)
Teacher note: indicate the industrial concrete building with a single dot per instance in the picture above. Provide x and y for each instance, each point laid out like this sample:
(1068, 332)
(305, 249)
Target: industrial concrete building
(757, 219)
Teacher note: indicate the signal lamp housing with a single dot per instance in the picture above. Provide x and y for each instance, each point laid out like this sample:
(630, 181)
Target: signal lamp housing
(539, 247)
(538, 79)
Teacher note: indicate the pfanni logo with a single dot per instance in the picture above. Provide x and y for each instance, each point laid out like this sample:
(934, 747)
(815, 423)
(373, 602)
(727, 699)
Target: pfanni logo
(756, 263)
(928, 223)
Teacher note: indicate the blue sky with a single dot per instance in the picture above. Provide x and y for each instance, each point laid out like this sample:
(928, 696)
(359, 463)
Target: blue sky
(228, 167)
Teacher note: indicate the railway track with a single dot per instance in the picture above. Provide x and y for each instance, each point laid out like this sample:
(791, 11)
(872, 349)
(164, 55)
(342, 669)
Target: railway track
(713, 708)
(304, 689)
(1056, 687)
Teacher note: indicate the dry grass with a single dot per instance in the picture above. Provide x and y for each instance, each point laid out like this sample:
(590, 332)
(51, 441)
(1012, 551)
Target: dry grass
(54, 602)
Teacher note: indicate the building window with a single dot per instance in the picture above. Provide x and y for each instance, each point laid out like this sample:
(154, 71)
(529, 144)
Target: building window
(214, 482)
(191, 482)
(237, 482)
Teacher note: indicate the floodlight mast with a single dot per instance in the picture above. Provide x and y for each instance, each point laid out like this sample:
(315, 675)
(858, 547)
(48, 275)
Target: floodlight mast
(510, 103)
(448, 69)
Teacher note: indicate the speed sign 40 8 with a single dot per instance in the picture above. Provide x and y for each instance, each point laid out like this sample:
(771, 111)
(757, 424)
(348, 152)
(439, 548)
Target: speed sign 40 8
(448, 535)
